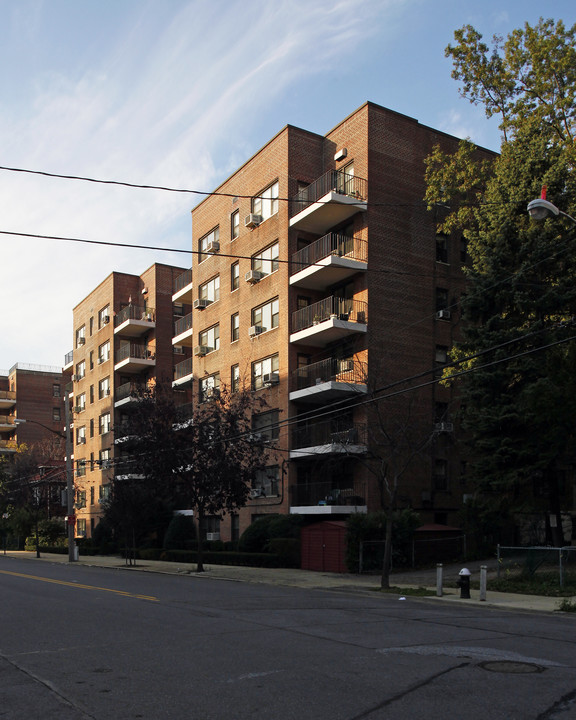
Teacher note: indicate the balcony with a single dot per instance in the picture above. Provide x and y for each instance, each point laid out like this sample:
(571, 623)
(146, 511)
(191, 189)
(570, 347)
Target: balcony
(327, 261)
(68, 360)
(183, 373)
(328, 380)
(133, 358)
(8, 446)
(183, 331)
(329, 320)
(128, 395)
(328, 498)
(329, 438)
(332, 199)
(7, 424)
(134, 321)
(183, 288)
(7, 399)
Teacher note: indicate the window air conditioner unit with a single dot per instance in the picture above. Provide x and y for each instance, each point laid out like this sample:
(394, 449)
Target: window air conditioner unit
(100, 360)
(271, 378)
(256, 492)
(213, 536)
(106, 319)
(443, 315)
(201, 350)
(212, 247)
(255, 330)
(78, 408)
(252, 220)
(81, 441)
(446, 427)
(81, 341)
(75, 378)
(211, 393)
(256, 437)
(201, 303)
(253, 276)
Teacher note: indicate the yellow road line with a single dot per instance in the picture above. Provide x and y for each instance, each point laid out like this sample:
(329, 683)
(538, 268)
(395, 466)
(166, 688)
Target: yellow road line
(79, 585)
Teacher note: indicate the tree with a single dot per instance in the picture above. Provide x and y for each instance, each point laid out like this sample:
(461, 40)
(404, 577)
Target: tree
(519, 395)
(205, 461)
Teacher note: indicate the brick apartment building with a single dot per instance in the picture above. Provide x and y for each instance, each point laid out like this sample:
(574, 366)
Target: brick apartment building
(123, 334)
(34, 393)
(318, 277)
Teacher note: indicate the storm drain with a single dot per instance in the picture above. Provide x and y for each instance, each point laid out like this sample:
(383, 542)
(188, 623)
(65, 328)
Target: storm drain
(509, 666)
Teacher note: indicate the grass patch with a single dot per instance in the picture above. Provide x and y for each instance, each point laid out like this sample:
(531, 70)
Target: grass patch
(546, 584)
(414, 592)
(567, 605)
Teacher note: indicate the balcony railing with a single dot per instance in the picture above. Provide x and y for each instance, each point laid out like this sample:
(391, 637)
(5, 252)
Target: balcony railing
(332, 181)
(8, 445)
(7, 420)
(129, 389)
(134, 312)
(134, 350)
(183, 324)
(337, 492)
(7, 394)
(329, 433)
(330, 307)
(183, 369)
(69, 357)
(348, 371)
(183, 280)
(331, 244)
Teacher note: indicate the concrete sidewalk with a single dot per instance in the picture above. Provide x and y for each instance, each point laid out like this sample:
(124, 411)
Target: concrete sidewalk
(364, 584)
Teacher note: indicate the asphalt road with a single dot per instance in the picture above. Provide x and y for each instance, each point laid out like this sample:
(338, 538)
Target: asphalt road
(83, 642)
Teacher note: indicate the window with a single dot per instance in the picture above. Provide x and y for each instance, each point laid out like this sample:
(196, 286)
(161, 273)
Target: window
(55, 390)
(81, 472)
(266, 316)
(104, 388)
(441, 299)
(266, 204)
(235, 225)
(441, 248)
(81, 336)
(267, 261)
(178, 350)
(91, 427)
(211, 526)
(91, 326)
(441, 412)
(81, 494)
(81, 526)
(104, 423)
(234, 276)
(266, 424)
(104, 316)
(80, 403)
(441, 358)
(91, 359)
(104, 352)
(80, 369)
(267, 480)
(235, 327)
(104, 459)
(206, 241)
(104, 492)
(56, 413)
(210, 290)
(91, 394)
(209, 386)
(235, 378)
(178, 310)
(81, 435)
(210, 338)
(261, 368)
(440, 474)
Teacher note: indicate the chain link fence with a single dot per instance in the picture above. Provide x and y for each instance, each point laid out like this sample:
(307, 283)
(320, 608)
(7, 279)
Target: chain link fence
(537, 561)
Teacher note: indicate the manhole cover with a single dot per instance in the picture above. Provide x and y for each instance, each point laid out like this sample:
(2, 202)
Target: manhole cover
(510, 666)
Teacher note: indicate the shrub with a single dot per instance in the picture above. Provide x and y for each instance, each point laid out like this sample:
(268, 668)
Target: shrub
(181, 533)
(257, 537)
(287, 550)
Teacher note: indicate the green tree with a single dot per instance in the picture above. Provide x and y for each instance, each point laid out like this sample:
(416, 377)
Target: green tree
(205, 461)
(520, 398)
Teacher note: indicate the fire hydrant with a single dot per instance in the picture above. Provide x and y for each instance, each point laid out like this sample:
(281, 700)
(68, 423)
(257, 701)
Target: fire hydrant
(464, 583)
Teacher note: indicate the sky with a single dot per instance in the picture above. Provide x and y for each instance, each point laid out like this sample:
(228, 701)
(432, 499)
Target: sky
(179, 93)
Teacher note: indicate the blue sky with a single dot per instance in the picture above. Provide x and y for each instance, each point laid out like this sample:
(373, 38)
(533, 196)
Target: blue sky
(179, 93)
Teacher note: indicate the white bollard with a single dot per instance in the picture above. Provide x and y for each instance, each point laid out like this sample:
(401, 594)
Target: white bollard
(483, 569)
(439, 580)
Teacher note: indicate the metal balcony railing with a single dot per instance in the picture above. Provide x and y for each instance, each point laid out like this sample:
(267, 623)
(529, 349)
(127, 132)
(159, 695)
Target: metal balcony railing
(330, 432)
(7, 420)
(183, 280)
(134, 312)
(328, 492)
(332, 181)
(129, 389)
(182, 369)
(183, 324)
(134, 350)
(69, 357)
(7, 394)
(348, 371)
(341, 308)
(330, 244)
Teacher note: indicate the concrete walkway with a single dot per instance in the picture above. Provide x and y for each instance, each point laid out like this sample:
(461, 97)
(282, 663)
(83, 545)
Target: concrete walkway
(363, 584)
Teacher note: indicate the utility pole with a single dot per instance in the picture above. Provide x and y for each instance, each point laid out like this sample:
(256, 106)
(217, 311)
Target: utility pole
(70, 518)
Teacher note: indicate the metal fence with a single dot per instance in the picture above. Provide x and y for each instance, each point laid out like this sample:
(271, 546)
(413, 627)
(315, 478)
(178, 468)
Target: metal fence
(536, 560)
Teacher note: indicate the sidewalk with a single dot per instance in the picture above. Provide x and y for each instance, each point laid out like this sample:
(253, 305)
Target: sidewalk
(364, 584)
